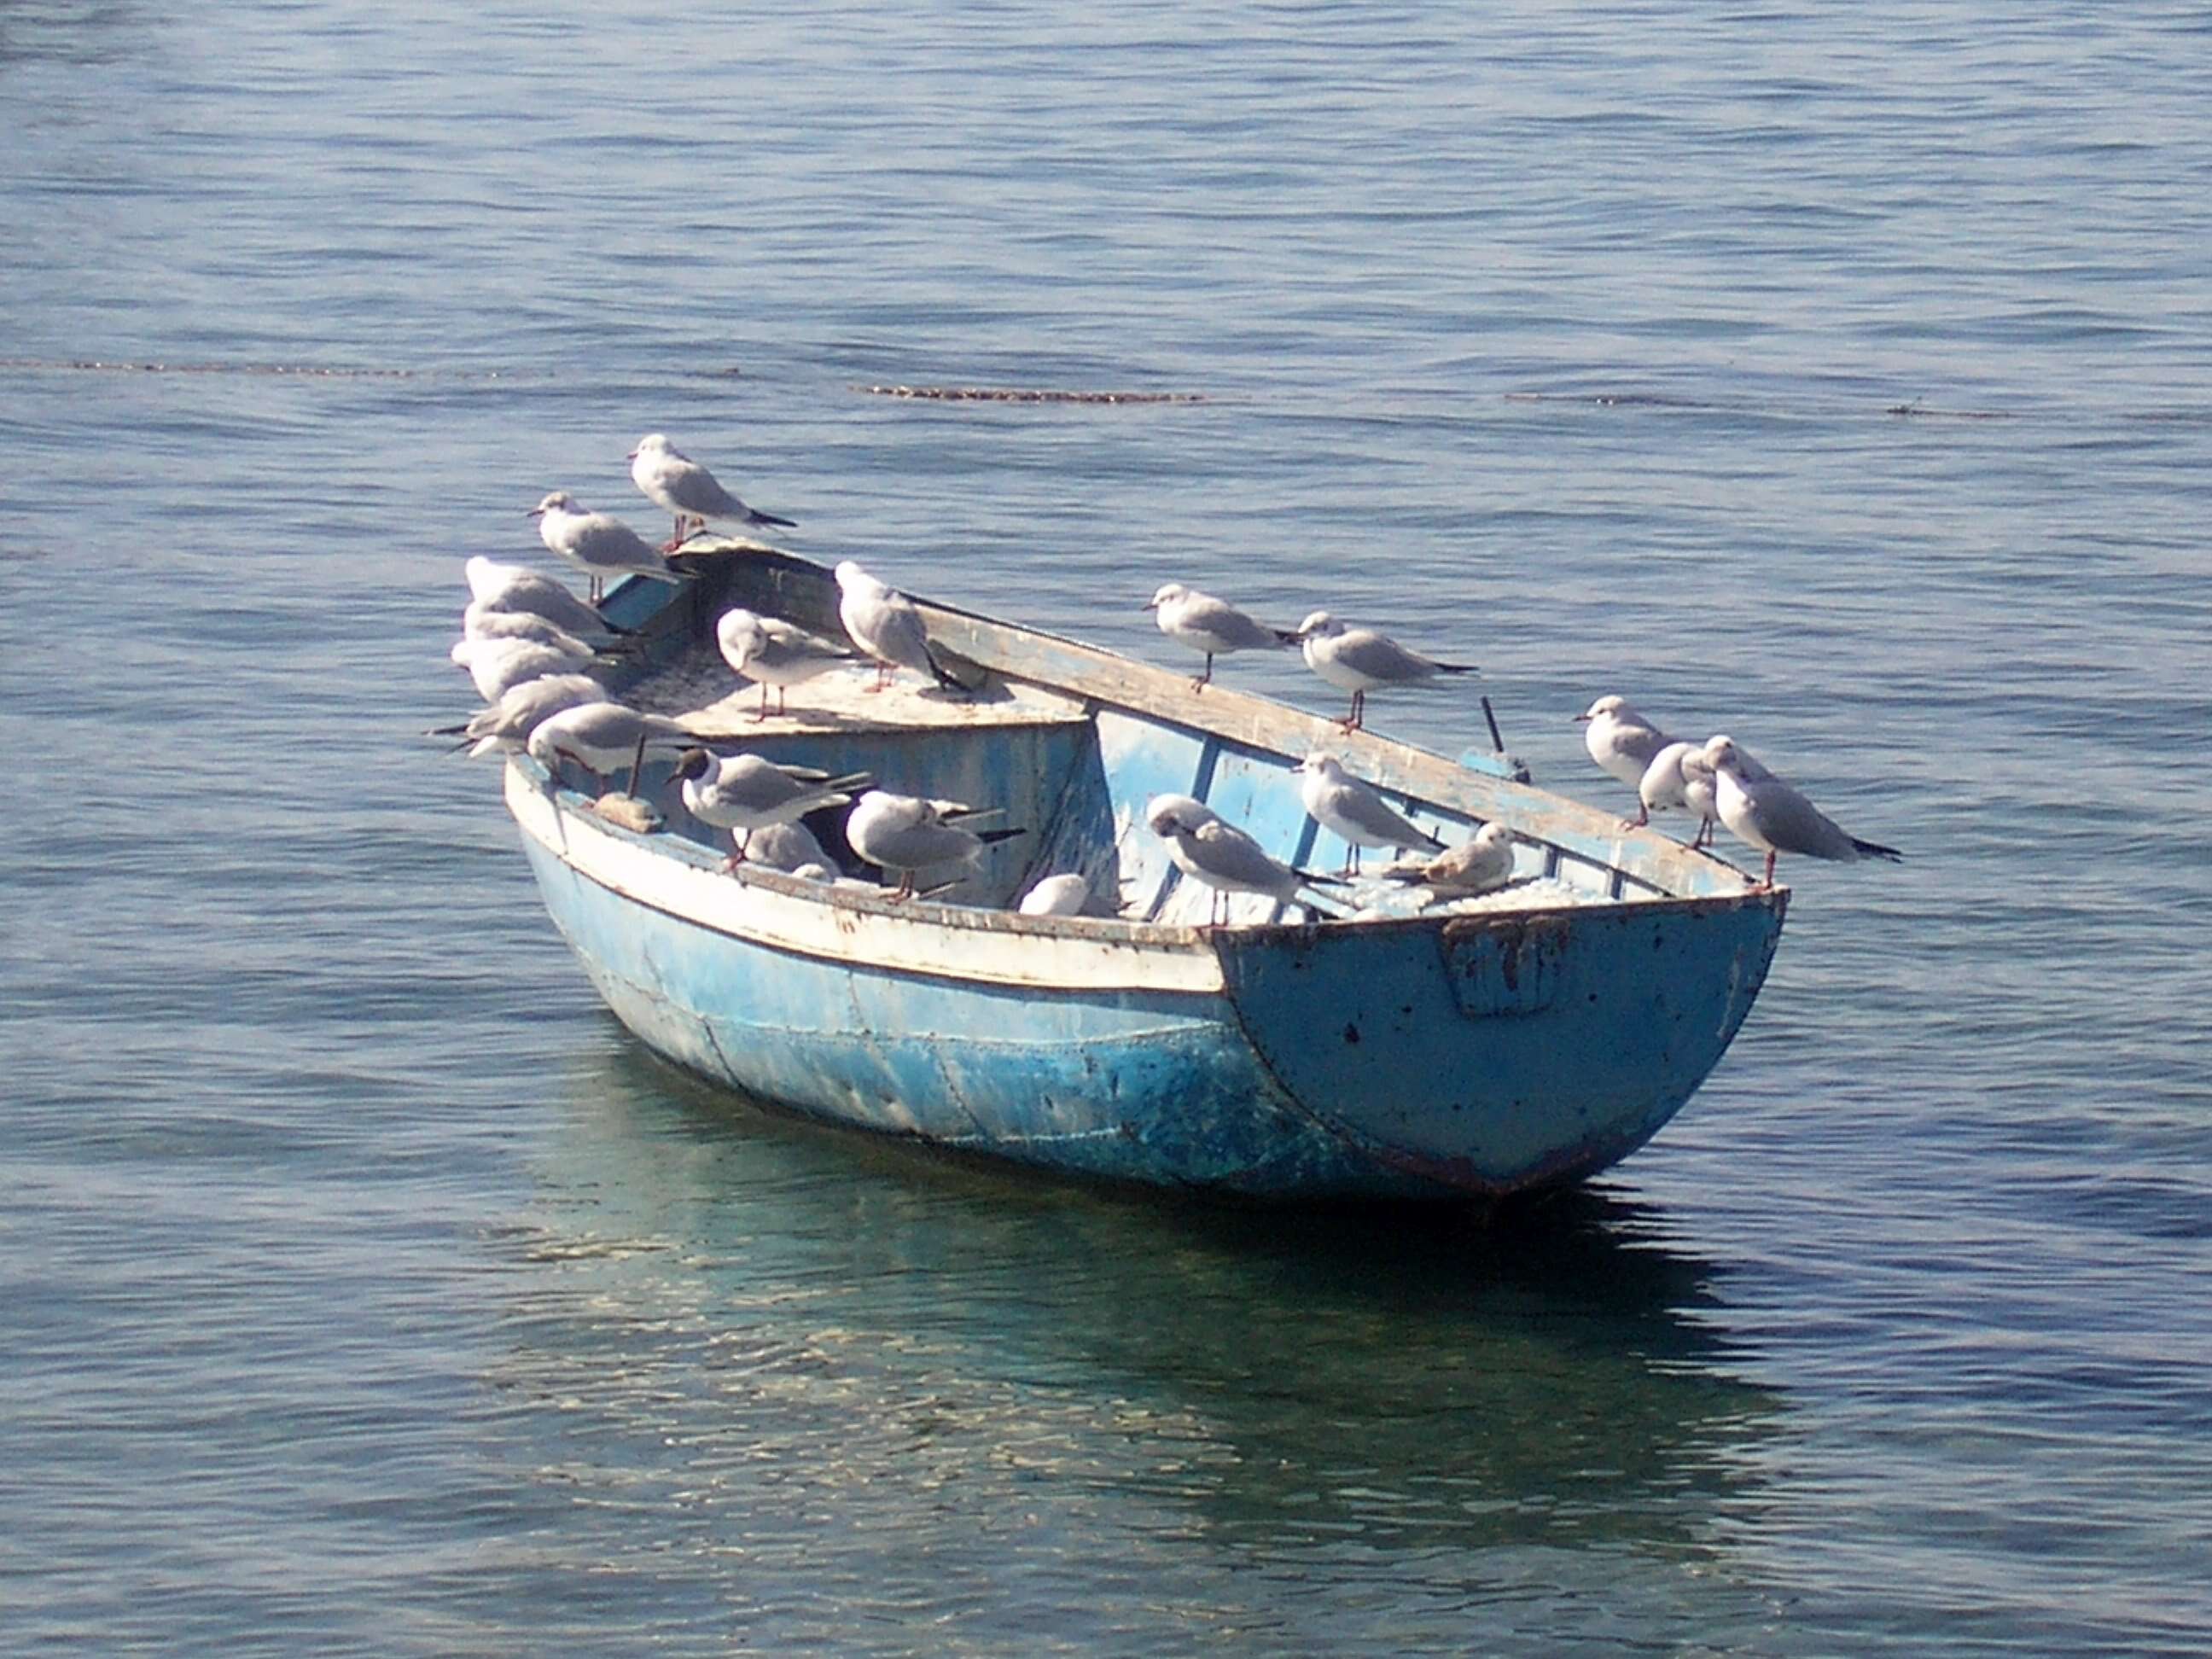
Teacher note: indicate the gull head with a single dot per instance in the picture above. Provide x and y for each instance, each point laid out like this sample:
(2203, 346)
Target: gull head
(559, 502)
(1169, 593)
(1321, 766)
(653, 443)
(1493, 833)
(691, 763)
(1317, 622)
(850, 576)
(1176, 815)
(1607, 708)
(1723, 755)
(739, 634)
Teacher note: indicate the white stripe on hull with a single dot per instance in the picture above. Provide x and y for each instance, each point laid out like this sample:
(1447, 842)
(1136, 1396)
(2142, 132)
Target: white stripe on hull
(812, 923)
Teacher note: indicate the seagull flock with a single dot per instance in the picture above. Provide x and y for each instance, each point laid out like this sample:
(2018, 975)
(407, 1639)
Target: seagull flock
(533, 650)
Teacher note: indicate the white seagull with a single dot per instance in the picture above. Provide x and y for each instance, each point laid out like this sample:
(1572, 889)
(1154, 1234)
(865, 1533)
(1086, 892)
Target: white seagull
(600, 735)
(598, 543)
(506, 726)
(1360, 660)
(885, 623)
(497, 586)
(1621, 741)
(1056, 895)
(1482, 864)
(1351, 810)
(498, 665)
(749, 793)
(675, 481)
(1680, 779)
(1761, 810)
(1212, 626)
(1214, 851)
(773, 653)
(907, 833)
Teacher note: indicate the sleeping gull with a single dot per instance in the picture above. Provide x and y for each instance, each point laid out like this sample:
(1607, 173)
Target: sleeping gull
(1351, 810)
(885, 623)
(787, 847)
(1056, 895)
(1761, 810)
(1679, 779)
(598, 543)
(499, 586)
(506, 726)
(601, 736)
(1482, 864)
(1621, 741)
(687, 489)
(1360, 660)
(1215, 853)
(773, 653)
(907, 833)
(750, 792)
(1212, 626)
(499, 666)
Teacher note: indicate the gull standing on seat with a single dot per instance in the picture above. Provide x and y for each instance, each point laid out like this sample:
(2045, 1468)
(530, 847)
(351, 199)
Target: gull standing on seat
(598, 543)
(885, 623)
(1215, 853)
(1681, 778)
(1360, 660)
(1763, 812)
(773, 653)
(1482, 864)
(1621, 741)
(675, 481)
(909, 834)
(750, 792)
(1212, 626)
(786, 846)
(1352, 810)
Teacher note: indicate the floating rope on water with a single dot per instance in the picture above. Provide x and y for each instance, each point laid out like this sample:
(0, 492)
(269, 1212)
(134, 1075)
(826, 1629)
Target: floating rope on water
(301, 371)
(992, 394)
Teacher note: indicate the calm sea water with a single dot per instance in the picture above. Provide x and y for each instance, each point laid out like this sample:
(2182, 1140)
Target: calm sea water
(364, 1288)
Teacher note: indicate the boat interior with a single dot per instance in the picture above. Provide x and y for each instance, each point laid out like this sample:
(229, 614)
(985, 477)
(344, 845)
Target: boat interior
(1075, 775)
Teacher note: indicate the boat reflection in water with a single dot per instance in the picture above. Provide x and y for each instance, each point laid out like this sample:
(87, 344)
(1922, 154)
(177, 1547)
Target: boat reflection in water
(818, 1351)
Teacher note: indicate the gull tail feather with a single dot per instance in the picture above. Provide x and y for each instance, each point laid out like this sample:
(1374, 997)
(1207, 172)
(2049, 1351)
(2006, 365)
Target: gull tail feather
(759, 517)
(991, 837)
(1875, 849)
(938, 672)
(1457, 668)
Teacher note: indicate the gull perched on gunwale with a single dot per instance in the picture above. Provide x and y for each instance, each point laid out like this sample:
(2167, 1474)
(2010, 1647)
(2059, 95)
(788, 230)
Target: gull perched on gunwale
(1762, 811)
(1361, 659)
(1621, 741)
(598, 543)
(1212, 626)
(674, 481)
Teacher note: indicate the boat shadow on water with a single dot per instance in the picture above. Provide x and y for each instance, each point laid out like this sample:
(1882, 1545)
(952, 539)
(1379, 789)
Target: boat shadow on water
(1286, 1378)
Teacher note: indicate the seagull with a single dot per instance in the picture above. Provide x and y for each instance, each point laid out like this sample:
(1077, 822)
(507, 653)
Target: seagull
(599, 736)
(749, 793)
(1482, 864)
(598, 543)
(1344, 807)
(787, 847)
(1215, 852)
(1621, 741)
(907, 833)
(1360, 660)
(1680, 777)
(498, 586)
(1056, 895)
(773, 653)
(1760, 809)
(498, 665)
(506, 726)
(1212, 626)
(675, 481)
(480, 620)
(885, 623)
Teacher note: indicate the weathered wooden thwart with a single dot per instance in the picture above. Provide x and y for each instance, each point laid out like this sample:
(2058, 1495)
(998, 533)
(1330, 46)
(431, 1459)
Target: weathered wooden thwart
(1447, 1053)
